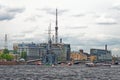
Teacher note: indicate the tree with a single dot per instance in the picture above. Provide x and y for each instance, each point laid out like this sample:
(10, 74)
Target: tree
(8, 57)
(5, 51)
(24, 55)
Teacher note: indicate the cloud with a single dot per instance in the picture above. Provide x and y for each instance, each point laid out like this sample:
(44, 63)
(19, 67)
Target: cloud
(6, 16)
(78, 15)
(30, 30)
(33, 18)
(71, 40)
(103, 20)
(18, 35)
(15, 10)
(78, 27)
(116, 7)
(116, 49)
(83, 41)
(7, 13)
(53, 11)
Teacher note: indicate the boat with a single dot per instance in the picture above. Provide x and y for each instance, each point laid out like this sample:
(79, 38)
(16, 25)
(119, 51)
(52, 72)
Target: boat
(90, 64)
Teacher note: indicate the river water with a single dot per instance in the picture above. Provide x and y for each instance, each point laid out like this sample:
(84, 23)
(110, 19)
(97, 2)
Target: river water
(74, 72)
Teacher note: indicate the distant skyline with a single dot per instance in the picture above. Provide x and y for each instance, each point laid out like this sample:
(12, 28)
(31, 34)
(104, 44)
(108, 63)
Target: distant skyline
(84, 24)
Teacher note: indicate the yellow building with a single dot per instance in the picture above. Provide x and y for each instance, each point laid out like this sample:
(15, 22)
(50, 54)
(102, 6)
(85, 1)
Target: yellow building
(92, 58)
(78, 56)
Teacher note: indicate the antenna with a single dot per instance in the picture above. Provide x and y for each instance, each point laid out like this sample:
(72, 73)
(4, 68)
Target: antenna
(56, 28)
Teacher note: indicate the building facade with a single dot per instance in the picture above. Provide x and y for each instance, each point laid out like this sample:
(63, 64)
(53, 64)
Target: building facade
(101, 54)
(40, 51)
(81, 56)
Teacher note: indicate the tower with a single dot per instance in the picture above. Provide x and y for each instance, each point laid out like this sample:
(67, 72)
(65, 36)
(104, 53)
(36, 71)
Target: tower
(5, 46)
(56, 28)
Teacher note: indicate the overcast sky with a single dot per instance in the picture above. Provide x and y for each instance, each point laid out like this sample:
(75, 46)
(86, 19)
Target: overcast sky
(84, 24)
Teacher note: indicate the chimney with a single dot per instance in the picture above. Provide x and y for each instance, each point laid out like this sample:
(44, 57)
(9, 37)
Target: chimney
(106, 47)
(81, 50)
(60, 40)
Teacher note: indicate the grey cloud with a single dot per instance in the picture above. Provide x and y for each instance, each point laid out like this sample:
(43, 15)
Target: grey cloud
(19, 35)
(96, 42)
(33, 18)
(52, 11)
(6, 16)
(7, 13)
(62, 11)
(22, 39)
(29, 39)
(113, 41)
(89, 43)
(107, 23)
(78, 27)
(104, 20)
(31, 30)
(15, 10)
(80, 43)
(74, 40)
(78, 15)
(116, 7)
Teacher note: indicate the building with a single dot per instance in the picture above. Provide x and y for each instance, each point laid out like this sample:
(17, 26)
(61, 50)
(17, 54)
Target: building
(39, 51)
(102, 55)
(92, 58)
(79, 56)
(31, 49)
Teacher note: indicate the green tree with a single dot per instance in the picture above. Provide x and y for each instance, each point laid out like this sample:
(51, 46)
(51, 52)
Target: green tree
(0, 56)
(5, 51)
(3, 56)
(8, 57)
(24, 55)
